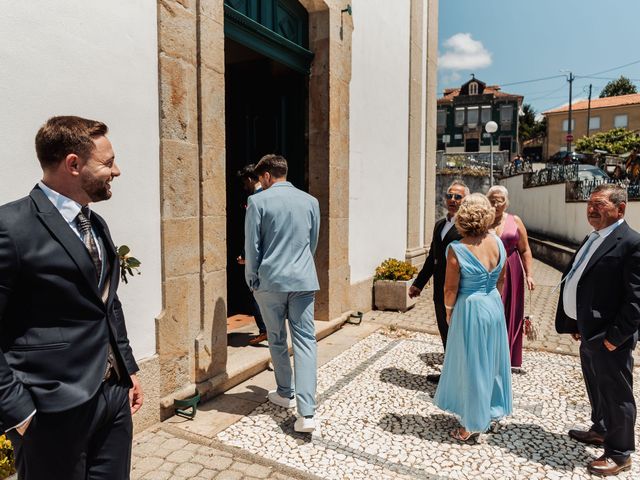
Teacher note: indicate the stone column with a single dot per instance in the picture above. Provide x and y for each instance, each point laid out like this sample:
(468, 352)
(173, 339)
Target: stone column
(180, 193)
(415, 246)
(330, 39)
(431, 140)
(191, 330)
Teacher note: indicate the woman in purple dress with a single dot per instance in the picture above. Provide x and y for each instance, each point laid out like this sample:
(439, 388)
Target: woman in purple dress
(519, 270)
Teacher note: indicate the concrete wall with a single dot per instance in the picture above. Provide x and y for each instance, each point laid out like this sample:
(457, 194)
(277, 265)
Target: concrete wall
(379, 122)
(98, 60)
(544, 211)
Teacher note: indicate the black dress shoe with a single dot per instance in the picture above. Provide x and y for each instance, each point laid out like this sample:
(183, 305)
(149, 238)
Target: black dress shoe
(433, 377)
(590, 437)
(605, 466)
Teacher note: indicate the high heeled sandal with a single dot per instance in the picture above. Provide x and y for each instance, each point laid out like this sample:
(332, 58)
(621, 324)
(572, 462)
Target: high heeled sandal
(468, 438)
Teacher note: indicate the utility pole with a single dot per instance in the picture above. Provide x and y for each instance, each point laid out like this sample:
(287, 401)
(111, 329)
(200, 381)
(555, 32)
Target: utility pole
(589, 110)
(569, 129)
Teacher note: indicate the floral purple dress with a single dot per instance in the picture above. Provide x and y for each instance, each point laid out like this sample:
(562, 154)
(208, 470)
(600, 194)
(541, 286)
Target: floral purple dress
(513, 290)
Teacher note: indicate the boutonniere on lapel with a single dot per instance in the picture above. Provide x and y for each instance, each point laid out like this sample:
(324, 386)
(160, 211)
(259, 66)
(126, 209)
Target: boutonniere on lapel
(127, 263)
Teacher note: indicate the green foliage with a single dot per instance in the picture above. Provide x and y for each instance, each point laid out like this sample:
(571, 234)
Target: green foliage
(127, 263)
(392, 269)
(616, 141)
(6, 457)
(529, 127)
(621, 86)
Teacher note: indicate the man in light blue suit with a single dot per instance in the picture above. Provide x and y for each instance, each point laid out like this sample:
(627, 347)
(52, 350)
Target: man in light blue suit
(281, 235)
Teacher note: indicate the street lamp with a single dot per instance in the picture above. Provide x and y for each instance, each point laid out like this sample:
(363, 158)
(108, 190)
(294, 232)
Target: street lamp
(491, 128)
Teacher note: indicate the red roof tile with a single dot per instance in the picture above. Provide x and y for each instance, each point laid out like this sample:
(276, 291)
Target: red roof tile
(618, 101)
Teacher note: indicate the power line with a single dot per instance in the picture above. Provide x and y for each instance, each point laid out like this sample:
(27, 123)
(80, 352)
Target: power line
(532, 81)
(614, 68)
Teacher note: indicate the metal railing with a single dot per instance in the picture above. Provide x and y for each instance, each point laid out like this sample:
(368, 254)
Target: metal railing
(511, 169)
(473, 160)
(551, 176)
(580, 191)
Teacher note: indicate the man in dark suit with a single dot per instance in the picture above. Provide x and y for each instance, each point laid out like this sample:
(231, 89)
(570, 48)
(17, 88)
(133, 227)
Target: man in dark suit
(600, 306)
(435, 265)
(67, 374)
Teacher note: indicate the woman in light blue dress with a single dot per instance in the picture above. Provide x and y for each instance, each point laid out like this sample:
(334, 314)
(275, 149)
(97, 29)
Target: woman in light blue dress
(475, 384)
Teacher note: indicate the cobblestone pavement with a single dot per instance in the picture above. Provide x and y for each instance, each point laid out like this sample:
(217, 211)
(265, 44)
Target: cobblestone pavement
(379, 422)
(542, 306)
(160, 454)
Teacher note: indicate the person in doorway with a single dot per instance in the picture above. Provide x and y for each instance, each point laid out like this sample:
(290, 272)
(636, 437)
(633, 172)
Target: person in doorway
(434, 266)
(68, 383)
(599, 306)
(281, 236)
(251, 186)
(518, 270)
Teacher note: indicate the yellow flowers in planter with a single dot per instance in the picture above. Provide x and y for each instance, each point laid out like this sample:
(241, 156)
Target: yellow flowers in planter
(6, 457)
(393, 269)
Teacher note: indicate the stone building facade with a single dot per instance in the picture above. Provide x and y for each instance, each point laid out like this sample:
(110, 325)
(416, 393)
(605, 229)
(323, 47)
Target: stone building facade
(367, 151)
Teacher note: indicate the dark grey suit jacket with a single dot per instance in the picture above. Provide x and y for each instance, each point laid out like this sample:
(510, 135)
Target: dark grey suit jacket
(436, 263)
(54, 326)
(608, 296)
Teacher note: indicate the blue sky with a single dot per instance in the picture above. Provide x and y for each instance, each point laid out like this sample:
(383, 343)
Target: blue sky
(508, 41)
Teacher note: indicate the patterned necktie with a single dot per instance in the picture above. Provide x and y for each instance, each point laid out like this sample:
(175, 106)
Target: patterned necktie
(84, 225)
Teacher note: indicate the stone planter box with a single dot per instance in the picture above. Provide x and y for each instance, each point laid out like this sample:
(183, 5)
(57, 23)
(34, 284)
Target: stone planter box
(393, 295)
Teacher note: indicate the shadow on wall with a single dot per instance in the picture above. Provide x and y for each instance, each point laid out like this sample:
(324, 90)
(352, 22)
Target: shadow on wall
(476, 184)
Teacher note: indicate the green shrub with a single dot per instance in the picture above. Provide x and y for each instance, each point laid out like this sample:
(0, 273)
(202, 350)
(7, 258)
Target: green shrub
(392, 269)
(6, 457)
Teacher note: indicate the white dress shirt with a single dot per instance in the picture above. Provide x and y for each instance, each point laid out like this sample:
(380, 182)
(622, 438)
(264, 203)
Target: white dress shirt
(69, 210)
(570, 292)
(448, 225)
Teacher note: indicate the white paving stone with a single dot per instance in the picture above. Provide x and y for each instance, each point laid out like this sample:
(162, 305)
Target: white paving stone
(378, 420)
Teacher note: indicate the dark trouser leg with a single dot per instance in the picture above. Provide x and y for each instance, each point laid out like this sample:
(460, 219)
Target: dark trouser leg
(109, 452)
(591, 383)
(615, 375)
(614, 372)
(257, 315)
(63, 446)
(441, 318)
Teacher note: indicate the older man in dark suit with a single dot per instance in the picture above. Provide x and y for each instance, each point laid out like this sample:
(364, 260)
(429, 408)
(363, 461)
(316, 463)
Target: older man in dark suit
(67, 374)
(435, 265)
(600, 306)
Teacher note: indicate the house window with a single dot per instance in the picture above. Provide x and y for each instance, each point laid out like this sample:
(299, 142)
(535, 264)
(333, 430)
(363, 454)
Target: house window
(506, 116)
(620, 121)
(472, 117)
(594, 123)
(459, 117)
(565, 124)
(473, 88)
(442, 118)
(485, 116)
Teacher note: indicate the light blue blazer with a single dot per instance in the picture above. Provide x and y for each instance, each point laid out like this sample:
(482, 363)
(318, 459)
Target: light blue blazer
(281, 235)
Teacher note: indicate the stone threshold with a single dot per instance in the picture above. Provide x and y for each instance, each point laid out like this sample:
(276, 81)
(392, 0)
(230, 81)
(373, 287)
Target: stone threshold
(242, 365)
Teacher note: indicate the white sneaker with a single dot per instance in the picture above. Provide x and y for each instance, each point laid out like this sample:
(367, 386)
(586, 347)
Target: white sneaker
(284, 402)
(305, 425)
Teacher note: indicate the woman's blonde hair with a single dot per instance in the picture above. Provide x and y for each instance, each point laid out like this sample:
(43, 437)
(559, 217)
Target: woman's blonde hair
(475, 215)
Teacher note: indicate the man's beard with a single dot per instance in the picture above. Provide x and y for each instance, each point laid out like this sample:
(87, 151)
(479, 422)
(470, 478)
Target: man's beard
(97, 190)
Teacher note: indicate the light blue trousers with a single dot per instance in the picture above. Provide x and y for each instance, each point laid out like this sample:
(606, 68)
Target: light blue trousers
(276, 307)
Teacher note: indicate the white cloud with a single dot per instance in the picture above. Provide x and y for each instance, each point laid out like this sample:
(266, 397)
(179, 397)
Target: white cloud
(452, 77)
(464, 53)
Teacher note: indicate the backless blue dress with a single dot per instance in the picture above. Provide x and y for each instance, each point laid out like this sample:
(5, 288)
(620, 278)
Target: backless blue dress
(475, 384)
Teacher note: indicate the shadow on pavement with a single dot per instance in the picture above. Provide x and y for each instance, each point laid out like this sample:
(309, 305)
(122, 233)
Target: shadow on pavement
(410, 381)
(527, 441)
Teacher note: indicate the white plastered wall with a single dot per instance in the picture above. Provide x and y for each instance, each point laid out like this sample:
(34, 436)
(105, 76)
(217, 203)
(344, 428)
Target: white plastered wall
(378, 129)
(544, 210)
(98, 60)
